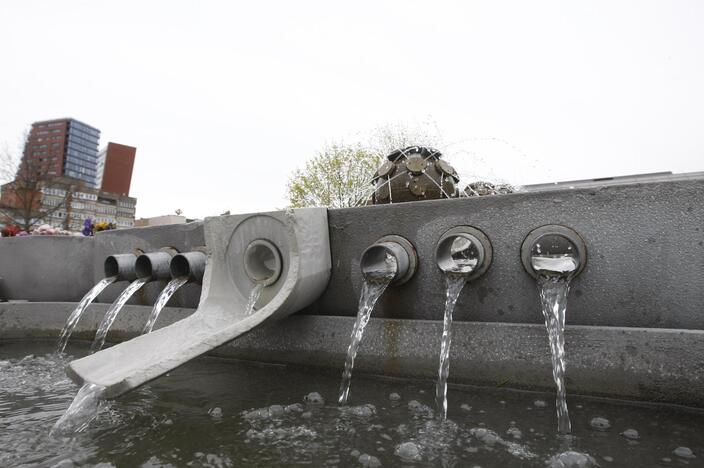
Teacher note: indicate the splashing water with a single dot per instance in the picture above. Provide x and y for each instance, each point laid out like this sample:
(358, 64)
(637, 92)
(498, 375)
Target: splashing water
(112, 312)
(78, 312)
(82, 411)
(375, 283)
(455, 283)
(161, 301)
(253, 298)
(553, 298)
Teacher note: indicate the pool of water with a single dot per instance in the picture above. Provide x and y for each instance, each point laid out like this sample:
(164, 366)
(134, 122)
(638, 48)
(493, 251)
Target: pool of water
(217, 412)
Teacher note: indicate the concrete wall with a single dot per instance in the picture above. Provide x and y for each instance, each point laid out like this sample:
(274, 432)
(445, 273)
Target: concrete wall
(645, 245)
(645, 269)
(607, 361)
(46, 268)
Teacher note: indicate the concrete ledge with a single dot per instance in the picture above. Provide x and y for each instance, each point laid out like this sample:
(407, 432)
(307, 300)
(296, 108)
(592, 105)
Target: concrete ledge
(659, 365)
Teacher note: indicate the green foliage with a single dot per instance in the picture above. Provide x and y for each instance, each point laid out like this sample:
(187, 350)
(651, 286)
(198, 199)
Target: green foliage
(338, 177)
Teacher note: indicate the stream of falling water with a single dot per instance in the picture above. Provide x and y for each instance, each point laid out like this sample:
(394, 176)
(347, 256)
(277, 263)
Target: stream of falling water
(253, 298)
(83, 409)
(455, 284)
(553, 298)
(161, 301)
(78, 312)
(112, 312)
(375, 283)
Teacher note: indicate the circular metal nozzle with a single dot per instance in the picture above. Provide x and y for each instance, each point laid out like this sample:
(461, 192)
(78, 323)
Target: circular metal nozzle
(154, 266)
(190, 264)
(122, 266)
(389, 256)
(262, 262)
(554, 250)
(464, 251)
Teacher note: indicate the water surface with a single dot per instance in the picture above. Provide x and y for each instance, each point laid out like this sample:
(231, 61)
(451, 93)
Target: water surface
(217, 412)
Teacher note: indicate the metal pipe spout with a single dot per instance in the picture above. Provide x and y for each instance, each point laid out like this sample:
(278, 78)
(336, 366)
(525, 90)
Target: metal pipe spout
(121, 266)
(189, 264)
(155, 266)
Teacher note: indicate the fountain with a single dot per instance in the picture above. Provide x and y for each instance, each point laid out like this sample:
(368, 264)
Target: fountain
(391, 259)
(463, 253)
(554, 255)
(634, 332)
(298, 237)
(184, 268)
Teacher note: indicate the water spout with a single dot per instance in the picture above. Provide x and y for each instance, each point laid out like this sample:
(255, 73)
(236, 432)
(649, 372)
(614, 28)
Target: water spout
(161, 301)
(183, 268)
(75, 316)
(554, 255)
(388, 261)
(155, 266)
(301, 237)
(462, 254)
(189, 264)
(112, 312)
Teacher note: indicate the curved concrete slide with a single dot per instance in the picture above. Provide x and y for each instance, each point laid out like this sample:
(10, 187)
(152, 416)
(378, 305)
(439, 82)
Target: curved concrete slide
(287, 254)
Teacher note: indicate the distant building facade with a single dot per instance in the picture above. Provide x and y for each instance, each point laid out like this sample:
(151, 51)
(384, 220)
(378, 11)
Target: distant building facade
(160, 220)
(75, 181)
(64, 147)
(115, 165)
(79, 202)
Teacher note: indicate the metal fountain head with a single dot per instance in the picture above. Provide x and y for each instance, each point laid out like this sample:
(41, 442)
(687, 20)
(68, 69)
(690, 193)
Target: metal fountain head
(554, 251)
(414, 173)
(389, 256)
(464, 251)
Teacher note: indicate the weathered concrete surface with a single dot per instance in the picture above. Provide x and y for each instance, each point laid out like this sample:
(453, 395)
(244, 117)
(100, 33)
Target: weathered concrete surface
(300, 237)
(659, 365)
(182, 237)
(645, 246)
(46, 268)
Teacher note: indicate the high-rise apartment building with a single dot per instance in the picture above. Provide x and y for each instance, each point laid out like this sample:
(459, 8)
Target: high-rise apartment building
(63, 147)
(70, 182)
(115, 164)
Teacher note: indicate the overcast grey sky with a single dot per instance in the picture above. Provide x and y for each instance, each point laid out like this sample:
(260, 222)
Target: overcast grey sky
(224, 99)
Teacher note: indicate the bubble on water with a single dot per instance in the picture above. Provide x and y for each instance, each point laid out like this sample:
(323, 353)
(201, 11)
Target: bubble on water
(666, 459)
(599, 423)
(540, 404)
(294, 408)
(608, 458)
(276, 411)
(369, 461)
(306, 415)
(486, 436)
(394, 396)
(215, 412)
(631, 434)
(571, 459)
(169, 422)
(419, 409)
(684, 452)
(314, 398)
(354, 453)
(465, 407)
(256, 414)
(408, 451)
(361, 411)
(514, 432)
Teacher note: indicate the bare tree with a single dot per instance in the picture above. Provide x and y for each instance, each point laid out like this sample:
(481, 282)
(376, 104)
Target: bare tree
(26, 180)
